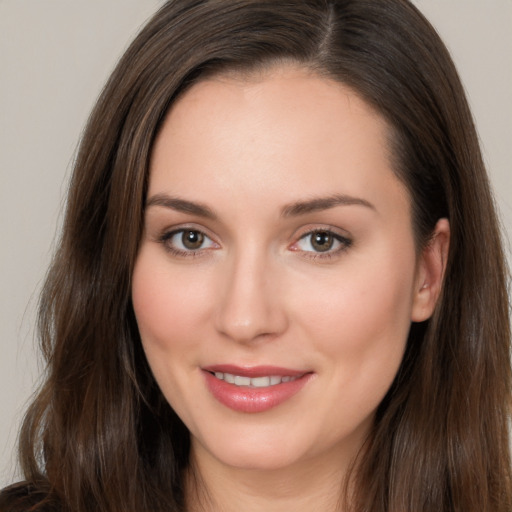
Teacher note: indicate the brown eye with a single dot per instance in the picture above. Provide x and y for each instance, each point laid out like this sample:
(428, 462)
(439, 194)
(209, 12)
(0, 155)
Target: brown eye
(192, 240)
(187, 242)
(322, 241)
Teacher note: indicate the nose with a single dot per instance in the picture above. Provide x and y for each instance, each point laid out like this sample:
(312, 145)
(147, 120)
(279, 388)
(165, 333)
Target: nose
(250, 308)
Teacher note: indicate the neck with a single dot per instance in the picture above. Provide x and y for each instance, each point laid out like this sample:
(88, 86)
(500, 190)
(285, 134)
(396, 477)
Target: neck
(310, 485)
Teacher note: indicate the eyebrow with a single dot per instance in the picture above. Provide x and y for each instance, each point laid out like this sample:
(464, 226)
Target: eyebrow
(323, 203)
(292, 210)
(181, 205)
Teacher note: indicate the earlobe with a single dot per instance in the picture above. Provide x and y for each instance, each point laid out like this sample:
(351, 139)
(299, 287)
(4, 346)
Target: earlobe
(430, 273)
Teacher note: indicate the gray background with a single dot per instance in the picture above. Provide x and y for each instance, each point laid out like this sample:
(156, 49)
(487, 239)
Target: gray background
(54, 57)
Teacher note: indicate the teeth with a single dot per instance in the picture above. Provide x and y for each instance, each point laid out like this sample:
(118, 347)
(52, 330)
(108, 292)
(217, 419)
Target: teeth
(255, 382)
(263, 382)
(242, 381)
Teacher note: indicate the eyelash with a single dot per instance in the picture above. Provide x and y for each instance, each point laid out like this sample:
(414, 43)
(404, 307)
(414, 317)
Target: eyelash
(344, 244)
(167, 237)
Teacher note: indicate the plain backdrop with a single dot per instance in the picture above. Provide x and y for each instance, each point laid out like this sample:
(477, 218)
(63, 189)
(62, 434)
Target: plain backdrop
(55, 55)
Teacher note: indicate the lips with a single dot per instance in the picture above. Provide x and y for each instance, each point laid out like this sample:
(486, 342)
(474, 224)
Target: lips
(253, 389)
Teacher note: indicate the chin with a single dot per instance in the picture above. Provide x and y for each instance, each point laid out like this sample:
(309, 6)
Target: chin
(255, 450)
(259, 459)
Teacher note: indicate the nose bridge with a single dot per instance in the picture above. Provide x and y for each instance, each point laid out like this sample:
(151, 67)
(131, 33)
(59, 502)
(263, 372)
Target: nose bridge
(249, 306)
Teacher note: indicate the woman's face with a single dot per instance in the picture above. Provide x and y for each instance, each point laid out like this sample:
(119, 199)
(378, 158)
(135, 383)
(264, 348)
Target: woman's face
(278, 276)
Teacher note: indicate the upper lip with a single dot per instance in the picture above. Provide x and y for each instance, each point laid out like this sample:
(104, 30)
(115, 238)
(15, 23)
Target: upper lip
(254, 371)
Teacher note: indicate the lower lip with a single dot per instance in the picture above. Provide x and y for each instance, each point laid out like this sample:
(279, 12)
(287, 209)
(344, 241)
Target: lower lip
(253, 400)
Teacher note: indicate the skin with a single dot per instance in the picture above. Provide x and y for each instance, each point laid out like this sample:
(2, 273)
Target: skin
(257, 292)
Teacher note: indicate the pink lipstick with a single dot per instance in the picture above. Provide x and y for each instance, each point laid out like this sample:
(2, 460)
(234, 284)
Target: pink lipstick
(253, 389)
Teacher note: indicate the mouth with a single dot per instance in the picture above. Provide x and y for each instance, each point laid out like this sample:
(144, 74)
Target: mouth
(254, 389)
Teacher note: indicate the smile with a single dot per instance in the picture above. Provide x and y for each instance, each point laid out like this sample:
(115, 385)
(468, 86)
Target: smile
(255, 389)
(254, 382)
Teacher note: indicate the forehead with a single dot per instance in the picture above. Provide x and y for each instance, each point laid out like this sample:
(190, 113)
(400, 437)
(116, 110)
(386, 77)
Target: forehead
(289, 90)
(282, 133)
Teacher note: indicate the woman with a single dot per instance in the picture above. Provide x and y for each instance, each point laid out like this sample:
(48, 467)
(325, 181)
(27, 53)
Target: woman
(280, 283)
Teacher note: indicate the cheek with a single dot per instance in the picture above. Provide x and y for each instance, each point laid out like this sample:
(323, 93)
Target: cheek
(169, 308)
(166, 304)
(366, 296)
(361, 319)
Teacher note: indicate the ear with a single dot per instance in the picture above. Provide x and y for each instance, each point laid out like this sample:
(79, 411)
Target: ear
(430, 272)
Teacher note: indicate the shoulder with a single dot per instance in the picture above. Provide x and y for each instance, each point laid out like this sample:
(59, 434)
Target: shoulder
(23, 497)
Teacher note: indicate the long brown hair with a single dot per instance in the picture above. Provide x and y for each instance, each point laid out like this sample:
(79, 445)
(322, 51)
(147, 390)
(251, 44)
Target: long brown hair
(100, 436)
